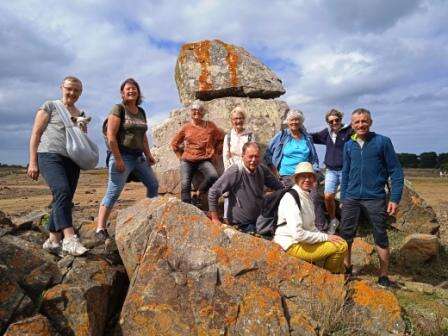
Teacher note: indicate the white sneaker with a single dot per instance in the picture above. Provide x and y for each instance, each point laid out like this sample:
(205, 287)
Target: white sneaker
(333, 226)
(51, 245)
(73, 246)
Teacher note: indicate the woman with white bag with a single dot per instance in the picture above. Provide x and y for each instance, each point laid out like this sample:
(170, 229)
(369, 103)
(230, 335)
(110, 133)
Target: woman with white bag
(48, 155)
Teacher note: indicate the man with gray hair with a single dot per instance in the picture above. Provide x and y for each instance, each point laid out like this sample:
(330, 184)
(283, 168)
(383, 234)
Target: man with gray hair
(333, 137)
(244, 181)
(369, 160)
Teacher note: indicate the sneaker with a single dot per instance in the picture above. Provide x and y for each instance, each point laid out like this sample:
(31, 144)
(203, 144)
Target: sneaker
(73, 246)
(102, 235)
(333, 226)
(384, 282)
(51, 245)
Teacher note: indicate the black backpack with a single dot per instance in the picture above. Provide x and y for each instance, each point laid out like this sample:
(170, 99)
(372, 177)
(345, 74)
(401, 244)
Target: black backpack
(267, 221)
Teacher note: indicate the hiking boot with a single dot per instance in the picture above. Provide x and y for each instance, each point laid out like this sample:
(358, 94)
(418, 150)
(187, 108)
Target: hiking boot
(73, 246)
(51, 245)
(384, 282)
(334, 223)
(102, 235)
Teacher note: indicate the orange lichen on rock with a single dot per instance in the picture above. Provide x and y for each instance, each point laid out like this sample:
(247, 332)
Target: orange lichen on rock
(36, 326)
(221, 255)
(376, 299)
(232, 61)
(202, 53)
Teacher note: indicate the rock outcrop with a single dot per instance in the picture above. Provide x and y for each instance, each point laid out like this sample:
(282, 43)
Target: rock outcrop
(415, 215)
(190, 276)
(77, 296)
(207, 70)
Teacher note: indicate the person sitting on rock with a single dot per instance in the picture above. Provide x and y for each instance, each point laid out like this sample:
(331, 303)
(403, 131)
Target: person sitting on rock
(233, 144)
(126, 137)
(334, 137)
(196, 144)
(245, 182)
(48, 156)
(296, 231)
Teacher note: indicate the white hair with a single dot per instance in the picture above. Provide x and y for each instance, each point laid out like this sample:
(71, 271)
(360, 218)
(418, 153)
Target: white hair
(294, 113)
(197, 105)
(238, 111)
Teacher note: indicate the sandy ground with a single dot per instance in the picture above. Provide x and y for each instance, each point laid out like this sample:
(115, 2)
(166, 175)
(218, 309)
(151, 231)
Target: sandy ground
(20, 195)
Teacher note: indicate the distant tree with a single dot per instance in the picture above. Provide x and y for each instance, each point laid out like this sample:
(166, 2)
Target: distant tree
(444, 166)
(408, 160)
(428, 160)
(442, 158)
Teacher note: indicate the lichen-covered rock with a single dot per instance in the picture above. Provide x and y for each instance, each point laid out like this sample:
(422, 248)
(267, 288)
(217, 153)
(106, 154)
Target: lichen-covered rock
(375, 311)
(212, 69)
(414, 214)
(84, 302)
(37, 325)
(361, 254)
(418, 248)
(14, 303)
(427, 314)
(189, 276)
(264, 118)
(29, 264)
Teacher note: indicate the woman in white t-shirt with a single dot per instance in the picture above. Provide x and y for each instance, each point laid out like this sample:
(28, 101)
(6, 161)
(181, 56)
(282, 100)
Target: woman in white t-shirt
(233, 143)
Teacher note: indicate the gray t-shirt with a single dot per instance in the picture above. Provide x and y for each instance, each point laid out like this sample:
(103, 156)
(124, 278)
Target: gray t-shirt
(53, 137)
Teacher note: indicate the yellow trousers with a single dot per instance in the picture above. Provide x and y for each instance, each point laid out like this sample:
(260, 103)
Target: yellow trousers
(331, 253)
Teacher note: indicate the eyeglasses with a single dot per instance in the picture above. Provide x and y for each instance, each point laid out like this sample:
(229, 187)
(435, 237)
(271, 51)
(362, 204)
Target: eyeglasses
(334, 121)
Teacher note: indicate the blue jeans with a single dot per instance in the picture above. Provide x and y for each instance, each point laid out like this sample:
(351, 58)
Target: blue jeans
(332, 181)
(117, 180)
(187, 171)
(61, 175)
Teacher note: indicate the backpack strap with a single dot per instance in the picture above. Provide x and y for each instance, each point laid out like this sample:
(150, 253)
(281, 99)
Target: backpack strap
(228, 142)
(296, 196)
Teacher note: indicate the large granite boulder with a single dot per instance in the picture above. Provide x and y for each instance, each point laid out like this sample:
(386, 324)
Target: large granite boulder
(212, 69)
(415, 215)
(264, 118)
(189, 276)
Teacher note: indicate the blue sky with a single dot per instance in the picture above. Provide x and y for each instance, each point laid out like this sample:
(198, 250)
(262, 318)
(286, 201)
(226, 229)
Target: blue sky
(388, 56)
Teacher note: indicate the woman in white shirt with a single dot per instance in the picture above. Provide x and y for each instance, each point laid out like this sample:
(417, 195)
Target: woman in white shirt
(296, 231)
(233, 143)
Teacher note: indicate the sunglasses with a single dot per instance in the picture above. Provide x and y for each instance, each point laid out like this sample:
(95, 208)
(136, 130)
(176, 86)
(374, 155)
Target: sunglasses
(334, 121)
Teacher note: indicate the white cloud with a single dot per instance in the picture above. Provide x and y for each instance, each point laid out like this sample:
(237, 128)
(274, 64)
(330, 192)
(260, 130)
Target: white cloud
(391, 57)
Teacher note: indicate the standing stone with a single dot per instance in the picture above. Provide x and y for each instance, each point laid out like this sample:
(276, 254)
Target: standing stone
(264, 117)
(207, 70)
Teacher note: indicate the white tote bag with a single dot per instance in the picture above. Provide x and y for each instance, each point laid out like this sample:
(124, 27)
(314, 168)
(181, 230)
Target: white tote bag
(82, 150)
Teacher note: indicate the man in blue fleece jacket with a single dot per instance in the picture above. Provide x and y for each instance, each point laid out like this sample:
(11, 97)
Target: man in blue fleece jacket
(369, 160)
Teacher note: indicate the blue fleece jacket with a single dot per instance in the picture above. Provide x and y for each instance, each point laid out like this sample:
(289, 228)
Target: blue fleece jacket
(274, 152)
(366, 170)
(333, 154)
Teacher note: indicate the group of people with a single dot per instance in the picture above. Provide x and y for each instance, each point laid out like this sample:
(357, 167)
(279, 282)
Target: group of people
(358, 160)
